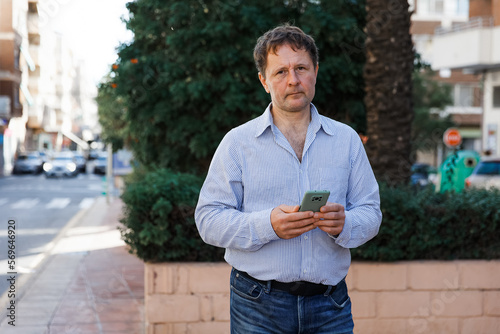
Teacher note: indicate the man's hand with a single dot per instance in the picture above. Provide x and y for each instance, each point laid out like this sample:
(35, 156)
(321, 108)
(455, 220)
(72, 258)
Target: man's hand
(331, 219)
(289, 223)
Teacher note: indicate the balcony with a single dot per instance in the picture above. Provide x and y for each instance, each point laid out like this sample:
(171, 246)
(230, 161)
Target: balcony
(35, 116)
(470, 45)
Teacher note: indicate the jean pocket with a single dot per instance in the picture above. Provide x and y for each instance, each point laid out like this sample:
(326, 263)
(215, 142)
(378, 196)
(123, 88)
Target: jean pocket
(245, 287)
(340, 297)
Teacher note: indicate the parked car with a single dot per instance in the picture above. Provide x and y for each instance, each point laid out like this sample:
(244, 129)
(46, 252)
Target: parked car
(485, 175)
(81, 162)
(100, 164)
(28, 163)
(45, 155)
(61, 165)
(422, 174)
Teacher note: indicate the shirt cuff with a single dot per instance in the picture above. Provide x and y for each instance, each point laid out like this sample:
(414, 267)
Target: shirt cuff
(343, 238)
(264, 227)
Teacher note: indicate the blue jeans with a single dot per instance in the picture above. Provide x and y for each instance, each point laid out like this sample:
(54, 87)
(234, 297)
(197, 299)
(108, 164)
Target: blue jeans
(256, 308)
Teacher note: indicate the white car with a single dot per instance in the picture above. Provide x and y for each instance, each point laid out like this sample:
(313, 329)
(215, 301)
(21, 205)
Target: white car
(62, 164)
(485, 175)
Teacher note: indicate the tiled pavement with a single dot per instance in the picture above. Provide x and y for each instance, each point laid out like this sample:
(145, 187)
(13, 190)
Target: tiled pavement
(88, 284)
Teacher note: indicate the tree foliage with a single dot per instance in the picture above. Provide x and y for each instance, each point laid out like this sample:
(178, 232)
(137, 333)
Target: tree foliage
(188, 76)
(429, 98)
(112, 112)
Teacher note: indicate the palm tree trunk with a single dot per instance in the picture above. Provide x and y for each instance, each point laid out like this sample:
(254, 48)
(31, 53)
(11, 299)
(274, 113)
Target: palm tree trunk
(388, 100)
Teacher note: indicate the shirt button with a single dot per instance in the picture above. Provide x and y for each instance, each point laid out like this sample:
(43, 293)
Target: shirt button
(306, 237)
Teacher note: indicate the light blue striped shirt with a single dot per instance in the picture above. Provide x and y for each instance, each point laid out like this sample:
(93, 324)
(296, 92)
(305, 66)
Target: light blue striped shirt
(255, 170)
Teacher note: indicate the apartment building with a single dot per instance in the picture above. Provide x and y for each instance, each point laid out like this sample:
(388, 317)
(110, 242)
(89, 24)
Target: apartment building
(430, 18)
(474, 46)
(46, 100)
(15, 65)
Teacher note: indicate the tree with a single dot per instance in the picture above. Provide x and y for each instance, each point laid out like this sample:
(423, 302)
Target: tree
(112, 113)
(388, 71)
(429, 96)
(188, 76)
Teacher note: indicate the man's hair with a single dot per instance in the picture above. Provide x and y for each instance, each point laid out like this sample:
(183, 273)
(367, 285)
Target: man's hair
(283, 35)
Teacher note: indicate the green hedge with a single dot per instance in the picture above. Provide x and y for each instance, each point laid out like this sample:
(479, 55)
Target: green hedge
(158, 218)
(423, 224)
(417, 224)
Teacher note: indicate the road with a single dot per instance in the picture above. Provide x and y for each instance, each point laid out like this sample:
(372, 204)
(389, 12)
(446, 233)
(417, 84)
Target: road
(39, 208)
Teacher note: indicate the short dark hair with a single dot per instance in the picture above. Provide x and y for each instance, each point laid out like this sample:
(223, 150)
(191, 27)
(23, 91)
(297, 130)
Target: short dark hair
(281, 35)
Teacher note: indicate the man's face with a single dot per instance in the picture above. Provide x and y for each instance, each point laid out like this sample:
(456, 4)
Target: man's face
(290, 78)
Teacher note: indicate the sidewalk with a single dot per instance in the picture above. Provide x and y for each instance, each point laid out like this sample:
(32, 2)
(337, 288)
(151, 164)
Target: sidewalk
(88, 283)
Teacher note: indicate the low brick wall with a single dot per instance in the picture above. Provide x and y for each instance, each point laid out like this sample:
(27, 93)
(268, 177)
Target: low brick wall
(404, 297)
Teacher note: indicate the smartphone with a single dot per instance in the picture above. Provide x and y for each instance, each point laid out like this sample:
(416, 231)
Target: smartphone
(314, 199)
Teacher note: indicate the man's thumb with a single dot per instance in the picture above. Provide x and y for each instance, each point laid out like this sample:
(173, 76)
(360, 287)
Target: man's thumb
(290, 208)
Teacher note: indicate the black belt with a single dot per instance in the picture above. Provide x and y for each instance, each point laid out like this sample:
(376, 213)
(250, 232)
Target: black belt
(300, 288)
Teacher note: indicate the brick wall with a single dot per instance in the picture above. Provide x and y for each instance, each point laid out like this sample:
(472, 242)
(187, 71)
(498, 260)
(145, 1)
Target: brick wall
(404, 297)
(480, 8)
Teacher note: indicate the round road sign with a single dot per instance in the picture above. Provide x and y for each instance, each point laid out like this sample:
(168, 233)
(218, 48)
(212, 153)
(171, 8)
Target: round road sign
(452, 137)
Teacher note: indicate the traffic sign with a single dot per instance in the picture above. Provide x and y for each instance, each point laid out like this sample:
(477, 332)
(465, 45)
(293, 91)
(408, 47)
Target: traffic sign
(452, 137)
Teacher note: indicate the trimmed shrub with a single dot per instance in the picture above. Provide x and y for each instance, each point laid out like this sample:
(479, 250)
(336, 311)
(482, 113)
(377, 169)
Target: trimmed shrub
(159, 218)
(417, 224)
(423, 224)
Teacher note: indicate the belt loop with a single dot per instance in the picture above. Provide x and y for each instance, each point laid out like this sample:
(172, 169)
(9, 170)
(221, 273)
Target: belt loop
(328, 291)
(269, 284)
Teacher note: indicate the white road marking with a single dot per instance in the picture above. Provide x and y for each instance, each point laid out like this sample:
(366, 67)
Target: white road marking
(26, 203)
(86, 202)
(58, 203)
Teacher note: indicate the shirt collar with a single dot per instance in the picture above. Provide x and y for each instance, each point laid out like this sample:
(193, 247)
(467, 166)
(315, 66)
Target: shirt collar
(317, 122)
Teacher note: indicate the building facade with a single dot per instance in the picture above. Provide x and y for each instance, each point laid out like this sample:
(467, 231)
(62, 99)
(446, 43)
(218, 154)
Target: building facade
(46, 100)
(474, 47)
(429, 19)
(15, 65)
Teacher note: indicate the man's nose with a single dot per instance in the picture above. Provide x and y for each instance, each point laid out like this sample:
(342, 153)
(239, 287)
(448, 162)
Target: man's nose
(293, 78)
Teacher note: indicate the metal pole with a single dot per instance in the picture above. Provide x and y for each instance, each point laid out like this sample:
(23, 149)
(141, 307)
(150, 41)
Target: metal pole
(109, 172)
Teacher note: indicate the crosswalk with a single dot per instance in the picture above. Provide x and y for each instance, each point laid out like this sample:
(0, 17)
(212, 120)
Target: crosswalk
(47, 203)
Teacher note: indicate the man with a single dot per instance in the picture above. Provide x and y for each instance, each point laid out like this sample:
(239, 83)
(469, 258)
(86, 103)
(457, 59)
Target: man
(289, 266)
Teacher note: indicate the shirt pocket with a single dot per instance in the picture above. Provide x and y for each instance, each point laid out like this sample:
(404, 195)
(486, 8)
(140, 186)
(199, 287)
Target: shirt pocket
(336, 180)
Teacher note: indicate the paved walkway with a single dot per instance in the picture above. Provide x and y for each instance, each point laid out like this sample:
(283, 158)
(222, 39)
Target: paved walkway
(88, 282)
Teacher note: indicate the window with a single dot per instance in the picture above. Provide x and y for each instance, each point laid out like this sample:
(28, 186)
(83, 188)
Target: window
(17, 55)
(17, 102)
(496, 97)
(32, 7)
(462, 7)
(464, 95)
(430, 7)
(438, 7)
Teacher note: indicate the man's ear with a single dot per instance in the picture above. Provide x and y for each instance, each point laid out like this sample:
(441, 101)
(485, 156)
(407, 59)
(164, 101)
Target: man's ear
(263, 82)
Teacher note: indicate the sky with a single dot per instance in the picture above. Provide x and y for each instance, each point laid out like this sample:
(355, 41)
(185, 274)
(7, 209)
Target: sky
(93, 28)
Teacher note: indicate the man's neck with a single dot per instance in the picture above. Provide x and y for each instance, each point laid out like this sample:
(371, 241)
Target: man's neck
(291, 121)
(293, 125)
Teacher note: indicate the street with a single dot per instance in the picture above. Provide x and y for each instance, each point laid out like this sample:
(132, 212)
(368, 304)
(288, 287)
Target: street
(35, 209)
